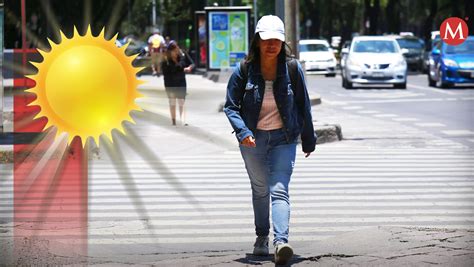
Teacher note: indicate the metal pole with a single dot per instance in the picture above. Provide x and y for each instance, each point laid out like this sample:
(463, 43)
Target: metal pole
(255, 13)
(153, 14)
(23, 38)
(291, 25)
(280, 9)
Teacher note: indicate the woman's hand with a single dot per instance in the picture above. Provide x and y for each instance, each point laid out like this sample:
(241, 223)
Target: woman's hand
(249, 142)
(188, 69)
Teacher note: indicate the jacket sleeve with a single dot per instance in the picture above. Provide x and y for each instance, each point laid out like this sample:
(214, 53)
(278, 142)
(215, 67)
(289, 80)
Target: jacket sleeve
(308, 136)
(235, 92)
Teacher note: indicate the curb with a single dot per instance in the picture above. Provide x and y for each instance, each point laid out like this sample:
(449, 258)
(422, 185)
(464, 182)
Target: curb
(327, 133)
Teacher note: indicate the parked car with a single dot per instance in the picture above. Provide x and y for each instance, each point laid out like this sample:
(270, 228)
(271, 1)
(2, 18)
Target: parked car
(451, 64)
(374, 60)
(343, 54)
(427, 53)
(415, 47)
(318, 57)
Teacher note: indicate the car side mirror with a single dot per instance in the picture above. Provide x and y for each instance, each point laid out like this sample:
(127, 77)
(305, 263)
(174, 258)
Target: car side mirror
(404, 51)
(435, 52)
(345, 51)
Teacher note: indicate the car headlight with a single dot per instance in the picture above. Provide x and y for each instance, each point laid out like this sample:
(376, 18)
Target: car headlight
(352, 62)
(400, 63)
(450, 63)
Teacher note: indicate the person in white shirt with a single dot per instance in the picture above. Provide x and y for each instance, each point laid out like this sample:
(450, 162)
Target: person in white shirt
(156, 44)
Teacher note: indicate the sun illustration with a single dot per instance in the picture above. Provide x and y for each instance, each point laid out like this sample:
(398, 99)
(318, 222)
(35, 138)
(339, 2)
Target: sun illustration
(86, 86)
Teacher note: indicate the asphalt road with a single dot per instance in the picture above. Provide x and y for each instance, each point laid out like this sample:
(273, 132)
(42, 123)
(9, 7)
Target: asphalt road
(447, 113)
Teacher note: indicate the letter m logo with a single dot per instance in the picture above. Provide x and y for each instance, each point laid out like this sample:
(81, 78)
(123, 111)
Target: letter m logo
(453, 31)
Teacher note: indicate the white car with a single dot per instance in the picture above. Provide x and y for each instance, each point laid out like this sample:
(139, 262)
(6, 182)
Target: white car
(374, 60)
(318, 57)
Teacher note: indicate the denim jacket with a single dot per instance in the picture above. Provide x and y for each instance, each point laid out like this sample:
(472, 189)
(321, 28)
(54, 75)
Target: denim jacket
(244, 101)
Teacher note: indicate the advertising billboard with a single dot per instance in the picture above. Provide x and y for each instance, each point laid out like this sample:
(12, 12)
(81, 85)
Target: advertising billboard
(228, 35)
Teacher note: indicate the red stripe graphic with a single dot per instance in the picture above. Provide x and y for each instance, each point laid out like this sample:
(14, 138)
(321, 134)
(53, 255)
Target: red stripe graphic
(50, 189)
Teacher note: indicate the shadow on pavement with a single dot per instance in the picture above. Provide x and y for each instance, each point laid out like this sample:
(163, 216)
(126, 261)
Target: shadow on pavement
(251, 259)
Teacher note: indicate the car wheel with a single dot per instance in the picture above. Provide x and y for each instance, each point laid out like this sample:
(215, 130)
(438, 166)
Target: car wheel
(439, 82)
(346, 84)
(400, 85)
(431, 82)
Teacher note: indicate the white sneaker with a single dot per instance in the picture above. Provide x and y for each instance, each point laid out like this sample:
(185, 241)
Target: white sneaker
(283, 253)
(260, 248)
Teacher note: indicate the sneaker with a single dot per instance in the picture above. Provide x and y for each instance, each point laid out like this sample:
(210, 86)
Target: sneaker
(283, 253)
(260, 248)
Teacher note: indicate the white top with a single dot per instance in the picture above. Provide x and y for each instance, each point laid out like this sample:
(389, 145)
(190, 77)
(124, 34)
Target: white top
(269, 117)
(156, 40)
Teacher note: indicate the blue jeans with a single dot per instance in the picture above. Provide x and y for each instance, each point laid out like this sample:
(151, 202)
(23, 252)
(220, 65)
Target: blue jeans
(269, 166)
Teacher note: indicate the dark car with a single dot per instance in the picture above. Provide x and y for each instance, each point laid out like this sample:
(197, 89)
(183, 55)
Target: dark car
(428, 49)
(415, 47)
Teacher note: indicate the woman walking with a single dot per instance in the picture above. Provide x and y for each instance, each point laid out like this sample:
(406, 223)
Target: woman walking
(269, 109)
(174, 66)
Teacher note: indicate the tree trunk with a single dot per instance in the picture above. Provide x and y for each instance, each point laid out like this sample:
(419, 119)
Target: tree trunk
(374, 17)
(428, 25)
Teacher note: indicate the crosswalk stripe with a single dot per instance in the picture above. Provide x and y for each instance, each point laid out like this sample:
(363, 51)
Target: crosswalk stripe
(430, 124)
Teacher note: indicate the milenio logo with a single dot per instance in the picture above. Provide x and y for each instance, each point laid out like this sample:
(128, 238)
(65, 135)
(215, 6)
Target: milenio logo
(454, 31)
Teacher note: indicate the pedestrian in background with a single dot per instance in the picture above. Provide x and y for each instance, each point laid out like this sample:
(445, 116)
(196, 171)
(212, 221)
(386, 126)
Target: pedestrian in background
(174, 66)
(268, 113)
(156, 45)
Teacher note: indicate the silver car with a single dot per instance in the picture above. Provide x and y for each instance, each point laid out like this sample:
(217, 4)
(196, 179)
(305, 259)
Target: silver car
(374, 60)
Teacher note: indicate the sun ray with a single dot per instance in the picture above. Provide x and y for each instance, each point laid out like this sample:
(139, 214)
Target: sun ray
(52, 20)
(115, 16)
(126, 178)
(87, 13)
(31, 35)
(159, 167)
(52, 185)
(58, 144)
(151, 114)
(16, 67)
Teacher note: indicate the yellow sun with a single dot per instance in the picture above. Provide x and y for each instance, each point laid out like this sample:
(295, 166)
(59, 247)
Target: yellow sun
(86, 86)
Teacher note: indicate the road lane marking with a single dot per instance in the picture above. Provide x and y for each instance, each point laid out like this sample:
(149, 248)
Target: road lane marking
(458, 132)
(441, 91)
(430, 124)
(352, 107)
(367, 112)
(385, 115)
(405, 119)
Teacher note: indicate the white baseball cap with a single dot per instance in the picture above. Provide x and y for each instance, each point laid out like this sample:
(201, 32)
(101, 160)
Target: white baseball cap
(270, 27)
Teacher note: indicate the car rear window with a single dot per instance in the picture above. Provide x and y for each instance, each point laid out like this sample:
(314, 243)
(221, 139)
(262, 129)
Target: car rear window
(375, 46)
(410, 43)
(313, 48)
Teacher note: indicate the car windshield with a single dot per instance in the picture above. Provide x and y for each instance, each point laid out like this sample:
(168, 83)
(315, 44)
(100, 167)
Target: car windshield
(465, 48)
(375, 46)
(313, 48)
(410, 43)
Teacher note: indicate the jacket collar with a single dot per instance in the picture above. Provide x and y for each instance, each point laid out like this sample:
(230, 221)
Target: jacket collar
(254, 68)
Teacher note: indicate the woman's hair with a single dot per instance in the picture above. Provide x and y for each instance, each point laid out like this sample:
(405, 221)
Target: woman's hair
(172, 45)
(254, 52)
